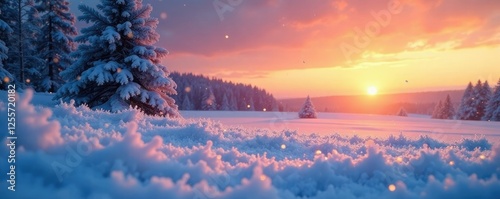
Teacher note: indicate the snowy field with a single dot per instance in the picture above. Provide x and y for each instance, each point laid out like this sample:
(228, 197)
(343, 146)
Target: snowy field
(375, 126)
(64, 151)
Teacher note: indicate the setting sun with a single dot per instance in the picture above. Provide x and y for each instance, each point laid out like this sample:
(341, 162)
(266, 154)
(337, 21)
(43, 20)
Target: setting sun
(372, 90)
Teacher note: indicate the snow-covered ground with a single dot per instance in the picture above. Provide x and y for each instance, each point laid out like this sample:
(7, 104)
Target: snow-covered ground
(380, 126)
(74, 152)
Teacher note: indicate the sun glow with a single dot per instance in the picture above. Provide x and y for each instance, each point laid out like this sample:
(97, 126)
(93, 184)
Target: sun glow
(372, 90)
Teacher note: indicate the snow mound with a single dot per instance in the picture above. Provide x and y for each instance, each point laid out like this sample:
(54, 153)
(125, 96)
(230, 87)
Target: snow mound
(76, 152)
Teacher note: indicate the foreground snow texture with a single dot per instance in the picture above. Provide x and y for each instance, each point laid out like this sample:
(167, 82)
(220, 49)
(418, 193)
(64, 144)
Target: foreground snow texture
(70, 152)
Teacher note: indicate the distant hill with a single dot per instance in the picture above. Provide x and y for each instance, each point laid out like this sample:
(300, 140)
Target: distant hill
(387, 104)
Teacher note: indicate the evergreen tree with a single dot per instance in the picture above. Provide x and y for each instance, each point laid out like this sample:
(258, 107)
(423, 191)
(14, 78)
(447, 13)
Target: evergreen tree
(117, 65)
(233, 103)
(477, 100)
(257, 99)
(447, 111)
(186, 104)
(307, 110)
(225, 103)
(436, 114)
(481, 98)
(249, 99)
(25, 22)
(402, 112)
(5, 31)
(492, 111)
(466, 109)
(208, 102)
(242, 103)
(250, 104)
(56, 44)
(10, 15)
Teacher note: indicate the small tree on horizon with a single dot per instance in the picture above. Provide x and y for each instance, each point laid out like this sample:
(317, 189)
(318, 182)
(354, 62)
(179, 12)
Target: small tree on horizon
(447, 111)
(436, 114)
(402, 112)
(208, 102)
(444, 109)
(307, 110)
(186, 104)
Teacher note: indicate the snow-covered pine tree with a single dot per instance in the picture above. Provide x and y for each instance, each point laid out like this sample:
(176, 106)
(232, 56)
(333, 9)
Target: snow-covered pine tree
(249, 99)
(208, 102)
(32, 32)
(476, 95)
(307, 110)
(8, 16)
(447, 111)
(466, 109)
(402, 112)
(233, 102)
(24, 20)
(250, 104)
(258, 99)
(5, 31)
(186, 103)
(117, 65)
(436, 114)
(483, 96)
(55, 44)
(225, 106)
(492, 111)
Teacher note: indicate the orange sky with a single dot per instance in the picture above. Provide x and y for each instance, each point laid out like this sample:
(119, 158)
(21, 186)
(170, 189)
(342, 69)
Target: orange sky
(294, 48)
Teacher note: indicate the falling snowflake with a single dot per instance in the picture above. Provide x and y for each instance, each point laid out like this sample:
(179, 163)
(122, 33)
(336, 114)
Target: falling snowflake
(163, 15)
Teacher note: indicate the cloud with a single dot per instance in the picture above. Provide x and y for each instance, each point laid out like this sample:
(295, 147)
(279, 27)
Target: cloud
(197, 29)
(273, 35)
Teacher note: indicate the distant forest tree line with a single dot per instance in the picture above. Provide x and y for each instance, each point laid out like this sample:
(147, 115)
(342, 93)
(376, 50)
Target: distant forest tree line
(198, 92)
(479, 102)
(384, 104)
